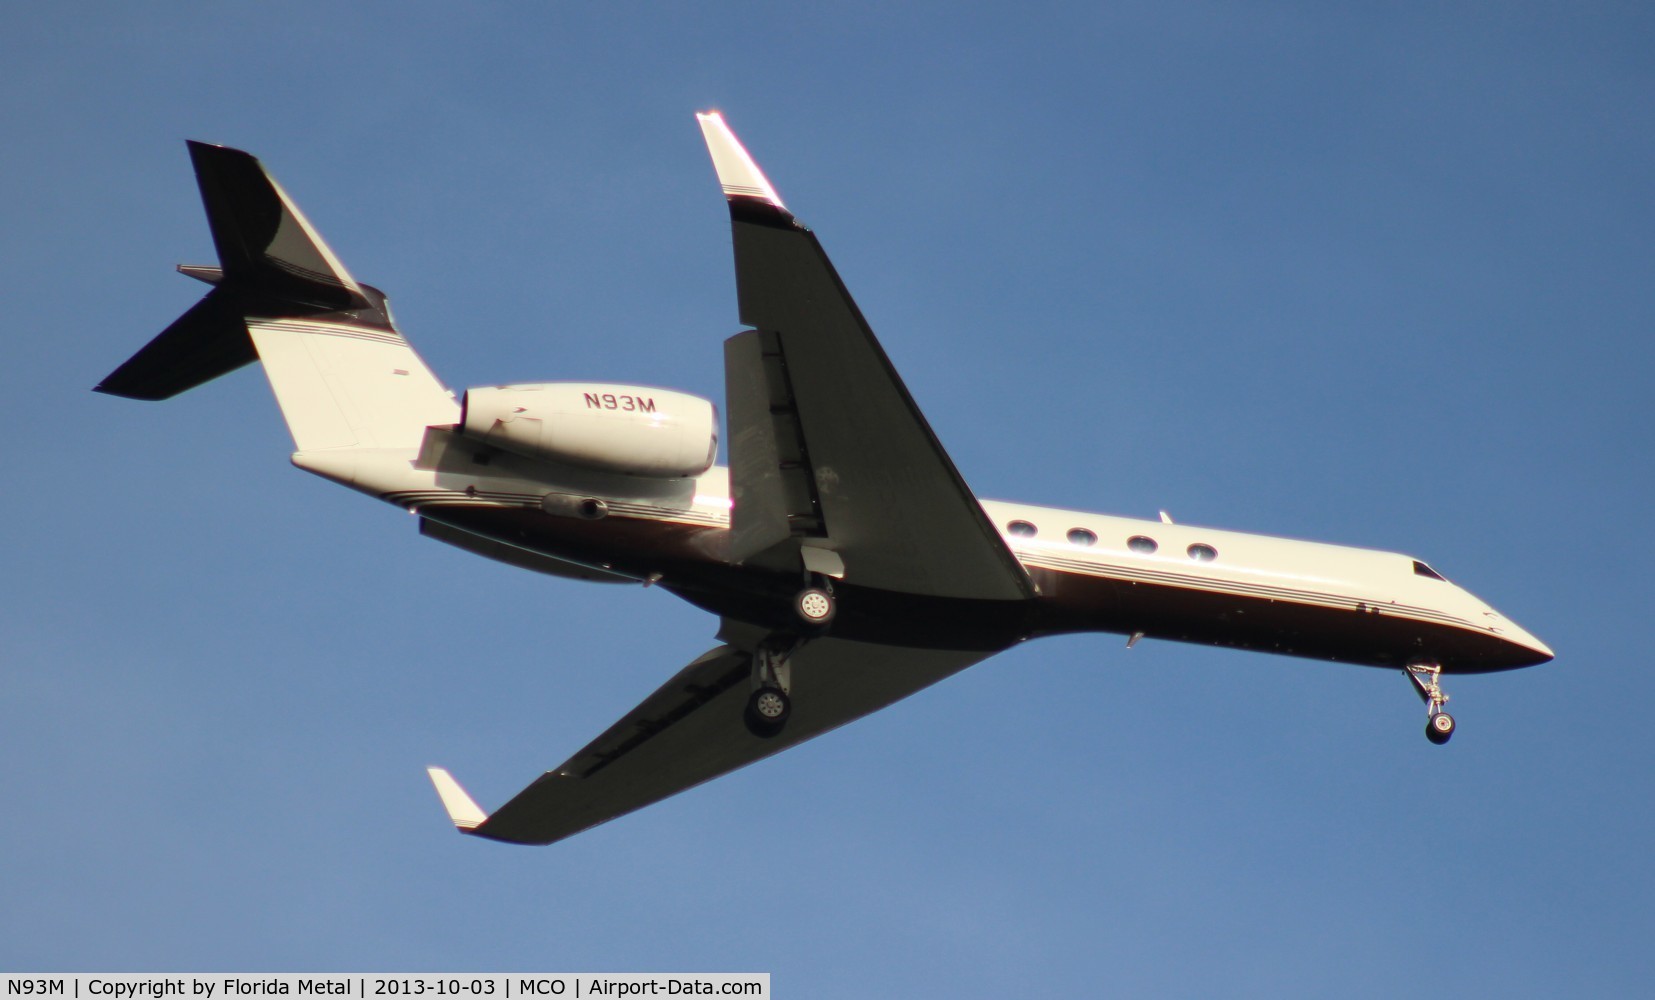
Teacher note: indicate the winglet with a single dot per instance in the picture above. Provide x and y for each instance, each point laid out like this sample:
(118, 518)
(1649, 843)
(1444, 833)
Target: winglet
(462, 809)
(737, 173)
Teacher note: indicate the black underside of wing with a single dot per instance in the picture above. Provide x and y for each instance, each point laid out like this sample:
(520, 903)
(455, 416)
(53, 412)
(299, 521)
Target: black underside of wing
(691, 731)
(884, 494)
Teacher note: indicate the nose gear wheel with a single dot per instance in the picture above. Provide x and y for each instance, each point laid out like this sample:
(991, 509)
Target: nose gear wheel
(1427, 681)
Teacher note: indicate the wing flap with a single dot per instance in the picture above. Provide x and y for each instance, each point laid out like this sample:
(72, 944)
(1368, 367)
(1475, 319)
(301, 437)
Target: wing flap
(771, 481)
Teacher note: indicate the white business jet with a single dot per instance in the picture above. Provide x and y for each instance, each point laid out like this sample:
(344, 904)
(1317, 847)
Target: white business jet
(848, 562)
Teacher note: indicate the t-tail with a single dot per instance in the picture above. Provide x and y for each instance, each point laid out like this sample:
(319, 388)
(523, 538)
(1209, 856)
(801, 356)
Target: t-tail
(342, 373)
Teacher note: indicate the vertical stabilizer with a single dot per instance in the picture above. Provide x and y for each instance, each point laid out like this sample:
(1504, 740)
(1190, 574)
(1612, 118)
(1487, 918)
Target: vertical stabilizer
(342, 373)
(345, 384)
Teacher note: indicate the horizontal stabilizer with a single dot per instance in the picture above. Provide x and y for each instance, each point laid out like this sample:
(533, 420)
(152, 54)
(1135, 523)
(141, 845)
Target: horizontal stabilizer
(264, 242)
(202, 272)
(204, 343)
(462, 809)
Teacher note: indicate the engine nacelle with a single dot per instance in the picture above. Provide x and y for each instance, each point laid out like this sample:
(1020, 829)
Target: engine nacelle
(634, 430)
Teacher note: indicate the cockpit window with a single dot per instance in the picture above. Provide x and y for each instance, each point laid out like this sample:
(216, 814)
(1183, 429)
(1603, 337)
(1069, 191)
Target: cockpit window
(1022, 529)
(1420, 569)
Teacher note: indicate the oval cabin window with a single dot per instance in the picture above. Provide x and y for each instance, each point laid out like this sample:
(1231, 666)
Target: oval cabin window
(1080, 536)
(1202, 553)
(1022, 529)
(1142, 544)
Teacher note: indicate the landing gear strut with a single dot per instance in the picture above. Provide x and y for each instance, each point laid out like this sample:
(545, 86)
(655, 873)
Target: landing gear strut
(1427, 681)
(769, 706)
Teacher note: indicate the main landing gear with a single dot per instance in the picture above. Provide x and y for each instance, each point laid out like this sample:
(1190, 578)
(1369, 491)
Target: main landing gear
(815, 606)
(1427, 681)
(769, 706)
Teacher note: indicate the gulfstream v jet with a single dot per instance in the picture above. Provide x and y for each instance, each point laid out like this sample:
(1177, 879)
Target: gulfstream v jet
(845, 558)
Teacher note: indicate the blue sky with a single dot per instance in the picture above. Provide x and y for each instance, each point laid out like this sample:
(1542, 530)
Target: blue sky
(1380, 277)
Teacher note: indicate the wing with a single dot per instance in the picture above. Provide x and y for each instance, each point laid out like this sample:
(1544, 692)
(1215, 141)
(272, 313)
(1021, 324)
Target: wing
(827, 449)
(834, 469)
(690, 731)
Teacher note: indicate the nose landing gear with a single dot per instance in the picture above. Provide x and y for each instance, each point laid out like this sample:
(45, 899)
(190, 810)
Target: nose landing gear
(1427, 681)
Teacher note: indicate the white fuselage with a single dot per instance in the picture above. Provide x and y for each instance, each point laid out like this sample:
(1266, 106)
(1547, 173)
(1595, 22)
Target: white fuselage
(1065, 552)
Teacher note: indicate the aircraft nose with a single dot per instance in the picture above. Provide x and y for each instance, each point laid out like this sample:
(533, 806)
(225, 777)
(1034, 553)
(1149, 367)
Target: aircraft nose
(1521, 647)
(1534, 652)
(1541, 650)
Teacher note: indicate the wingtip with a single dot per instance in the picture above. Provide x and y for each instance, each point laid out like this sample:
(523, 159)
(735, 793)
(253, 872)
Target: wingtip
(463, 810)
(200, 151)
(738, 175)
